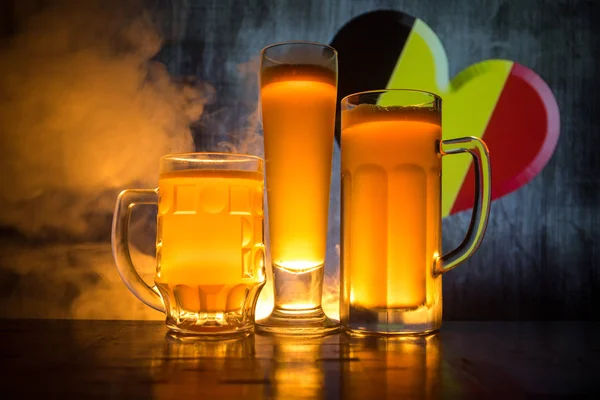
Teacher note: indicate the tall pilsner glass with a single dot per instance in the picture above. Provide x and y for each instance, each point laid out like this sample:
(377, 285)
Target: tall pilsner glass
(298, 91)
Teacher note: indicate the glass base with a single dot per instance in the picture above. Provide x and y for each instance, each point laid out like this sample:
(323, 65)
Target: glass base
(390, 322)
(199, 312)
(184, 335)
(298, 323)
(397, 333)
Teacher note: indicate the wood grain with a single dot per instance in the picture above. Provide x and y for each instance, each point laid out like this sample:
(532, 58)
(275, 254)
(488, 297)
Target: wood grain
(129, 359)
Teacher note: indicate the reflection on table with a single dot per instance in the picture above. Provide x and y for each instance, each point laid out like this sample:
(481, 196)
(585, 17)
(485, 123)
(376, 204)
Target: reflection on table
(125, 359)
(408, 366)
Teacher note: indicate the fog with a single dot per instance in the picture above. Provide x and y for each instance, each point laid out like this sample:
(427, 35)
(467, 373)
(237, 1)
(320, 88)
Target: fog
(85, 112)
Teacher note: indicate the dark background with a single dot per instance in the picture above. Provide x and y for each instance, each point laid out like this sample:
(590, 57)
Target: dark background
(540, 258)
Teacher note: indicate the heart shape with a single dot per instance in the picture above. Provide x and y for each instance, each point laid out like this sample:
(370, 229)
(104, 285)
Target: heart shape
(506, 104)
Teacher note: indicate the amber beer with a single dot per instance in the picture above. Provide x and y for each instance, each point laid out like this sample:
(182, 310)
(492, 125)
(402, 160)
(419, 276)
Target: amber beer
(391, 265)
(298, 91)
(210, 231)
(391, 206)
(298, 106)
(210, 256)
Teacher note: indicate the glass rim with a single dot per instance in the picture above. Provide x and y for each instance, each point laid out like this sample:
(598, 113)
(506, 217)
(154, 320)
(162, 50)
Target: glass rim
(220, 157)
(263, 52)
(434, 96)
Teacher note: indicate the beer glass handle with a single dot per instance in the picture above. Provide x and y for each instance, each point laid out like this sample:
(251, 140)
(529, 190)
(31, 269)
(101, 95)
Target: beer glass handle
(120, 245)
(481, 208)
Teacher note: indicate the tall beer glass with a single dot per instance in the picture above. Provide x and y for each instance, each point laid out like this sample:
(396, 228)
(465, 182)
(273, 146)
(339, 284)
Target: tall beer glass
(298, 91)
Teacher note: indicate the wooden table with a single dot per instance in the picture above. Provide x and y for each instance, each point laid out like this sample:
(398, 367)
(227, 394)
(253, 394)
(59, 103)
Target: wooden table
(134, 359)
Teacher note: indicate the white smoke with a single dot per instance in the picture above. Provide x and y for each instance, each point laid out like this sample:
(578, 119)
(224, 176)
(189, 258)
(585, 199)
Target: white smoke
(84, 112)
(248, 139)
(68, 280)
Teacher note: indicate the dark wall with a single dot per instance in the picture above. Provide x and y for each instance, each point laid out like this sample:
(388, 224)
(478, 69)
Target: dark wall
(539, 259)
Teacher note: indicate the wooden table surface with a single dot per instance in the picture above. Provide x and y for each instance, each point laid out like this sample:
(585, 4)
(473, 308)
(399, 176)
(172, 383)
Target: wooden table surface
(135, 359)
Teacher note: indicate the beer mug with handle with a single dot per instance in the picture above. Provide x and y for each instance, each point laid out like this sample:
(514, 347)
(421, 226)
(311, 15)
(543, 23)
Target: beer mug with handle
(210, 254)
(392, 266)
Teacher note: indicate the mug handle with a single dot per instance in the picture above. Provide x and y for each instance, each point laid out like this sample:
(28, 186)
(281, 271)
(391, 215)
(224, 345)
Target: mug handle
(126, 200)
(481, 207)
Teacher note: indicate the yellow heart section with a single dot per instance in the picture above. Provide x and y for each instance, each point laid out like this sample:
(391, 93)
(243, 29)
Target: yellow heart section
(467, 101)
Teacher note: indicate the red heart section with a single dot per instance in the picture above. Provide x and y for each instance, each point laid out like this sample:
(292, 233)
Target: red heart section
(522, 134)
